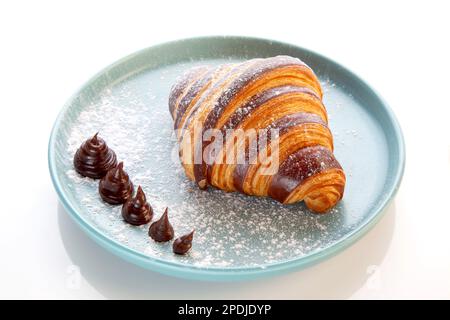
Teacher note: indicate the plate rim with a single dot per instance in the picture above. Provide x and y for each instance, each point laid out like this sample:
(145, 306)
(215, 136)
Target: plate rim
(228, 273)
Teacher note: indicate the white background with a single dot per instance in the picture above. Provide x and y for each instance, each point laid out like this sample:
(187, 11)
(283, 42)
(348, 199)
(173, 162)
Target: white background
(48, 49)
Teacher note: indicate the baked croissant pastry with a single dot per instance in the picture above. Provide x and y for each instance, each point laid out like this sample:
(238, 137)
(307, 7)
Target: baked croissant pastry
(281, 99)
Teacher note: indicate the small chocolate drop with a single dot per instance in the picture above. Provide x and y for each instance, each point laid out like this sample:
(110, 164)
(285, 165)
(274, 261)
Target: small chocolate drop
(116, 187)
(161, 230)
(183, 244)
(137, 211)
(94, 158)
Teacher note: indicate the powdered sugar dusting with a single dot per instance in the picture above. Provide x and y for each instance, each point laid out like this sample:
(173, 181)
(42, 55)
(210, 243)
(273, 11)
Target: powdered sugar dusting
(232, 230)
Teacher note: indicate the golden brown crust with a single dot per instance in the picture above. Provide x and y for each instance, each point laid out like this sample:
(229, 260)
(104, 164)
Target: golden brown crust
(279, 93)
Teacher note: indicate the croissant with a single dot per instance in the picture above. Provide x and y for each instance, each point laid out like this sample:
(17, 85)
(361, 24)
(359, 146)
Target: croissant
(280, 98)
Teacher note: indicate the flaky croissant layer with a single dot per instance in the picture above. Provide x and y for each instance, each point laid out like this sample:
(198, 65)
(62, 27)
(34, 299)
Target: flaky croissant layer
(217, 110)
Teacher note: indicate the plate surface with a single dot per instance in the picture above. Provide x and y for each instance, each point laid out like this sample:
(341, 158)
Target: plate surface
(237, 236)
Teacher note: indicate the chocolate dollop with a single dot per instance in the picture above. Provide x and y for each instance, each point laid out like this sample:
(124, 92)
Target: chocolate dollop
(137, 211)
(94, 158)
(161, 230)
(116, 187)
(183, 244)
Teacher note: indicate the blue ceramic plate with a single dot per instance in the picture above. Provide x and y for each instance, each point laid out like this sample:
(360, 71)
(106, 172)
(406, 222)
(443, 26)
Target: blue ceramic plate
(237, 236)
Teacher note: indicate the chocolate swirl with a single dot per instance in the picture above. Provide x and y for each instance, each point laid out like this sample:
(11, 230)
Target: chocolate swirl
(259, 97)
(161, 230)
(183, 244)
(116, 187)
(137, 211)
(94, 158)
(299, 166)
